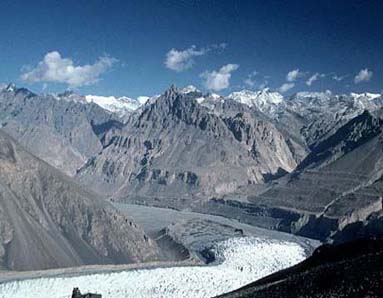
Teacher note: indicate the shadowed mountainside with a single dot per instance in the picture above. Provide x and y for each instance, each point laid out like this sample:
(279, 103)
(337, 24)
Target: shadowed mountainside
(48, 221)
(63, 130)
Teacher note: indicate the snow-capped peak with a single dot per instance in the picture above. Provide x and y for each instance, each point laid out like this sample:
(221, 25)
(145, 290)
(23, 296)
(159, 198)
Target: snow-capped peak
(119, 105)
(214, 96)
(365, 96)
(189, 89)
(313, 95)
(8, 87)
(264, 100)
(143, 99)
(366, 100)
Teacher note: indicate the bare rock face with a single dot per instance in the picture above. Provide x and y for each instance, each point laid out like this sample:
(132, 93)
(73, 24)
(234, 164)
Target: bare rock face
(337, 185)
(308, 118)
(176, 147)
(63, 130)
(48, 221)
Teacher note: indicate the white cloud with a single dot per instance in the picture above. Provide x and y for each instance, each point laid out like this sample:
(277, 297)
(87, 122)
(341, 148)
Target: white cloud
(180, 60)
(219, 80)
(250, 79)
(316, 76)
(312, 79)
(363, 76)
(294, 75)
(286, 87)
(54, 68)
(256, 80)
(338, 78)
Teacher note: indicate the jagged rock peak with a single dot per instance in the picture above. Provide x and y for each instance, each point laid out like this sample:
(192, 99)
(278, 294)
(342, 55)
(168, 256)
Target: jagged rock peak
(12, 88)
(172, 91)
(67, 93)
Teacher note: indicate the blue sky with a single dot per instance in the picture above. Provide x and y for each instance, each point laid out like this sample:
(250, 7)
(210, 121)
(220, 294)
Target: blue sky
(121, 47)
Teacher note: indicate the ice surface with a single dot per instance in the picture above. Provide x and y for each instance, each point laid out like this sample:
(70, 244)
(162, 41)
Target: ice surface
(240, 261)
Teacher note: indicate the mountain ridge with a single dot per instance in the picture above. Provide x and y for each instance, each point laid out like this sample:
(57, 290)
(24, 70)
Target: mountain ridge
(48, 221)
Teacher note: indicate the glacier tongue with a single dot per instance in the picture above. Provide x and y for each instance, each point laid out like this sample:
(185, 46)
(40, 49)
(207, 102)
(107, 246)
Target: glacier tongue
(241, 261)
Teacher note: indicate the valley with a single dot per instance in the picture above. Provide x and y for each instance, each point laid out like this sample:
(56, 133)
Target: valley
(183, 187)
(191, 149)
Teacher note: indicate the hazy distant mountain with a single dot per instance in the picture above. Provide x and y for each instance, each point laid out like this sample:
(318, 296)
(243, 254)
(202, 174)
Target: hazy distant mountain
(264, 100)
(316, 115)
(339, 183)
(176, 147)
(122, 106)
(48, 221)
(64, 130)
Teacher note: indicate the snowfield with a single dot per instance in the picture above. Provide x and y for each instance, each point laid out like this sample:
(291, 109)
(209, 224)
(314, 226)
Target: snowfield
(239, 262)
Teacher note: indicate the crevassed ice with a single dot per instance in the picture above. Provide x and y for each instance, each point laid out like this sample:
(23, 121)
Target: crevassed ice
(241, 261)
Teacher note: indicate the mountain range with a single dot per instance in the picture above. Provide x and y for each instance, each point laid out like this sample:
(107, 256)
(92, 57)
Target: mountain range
(308, 164)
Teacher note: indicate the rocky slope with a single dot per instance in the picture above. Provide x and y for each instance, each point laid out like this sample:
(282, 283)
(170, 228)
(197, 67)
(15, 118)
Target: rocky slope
(48, 221)
(338, 185)
(314, 116)
(176, 147)
(186, 149)
(353, 269)
(64, 130)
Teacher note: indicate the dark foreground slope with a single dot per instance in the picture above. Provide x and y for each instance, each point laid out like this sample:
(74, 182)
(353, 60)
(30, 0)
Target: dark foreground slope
(353, 269)
(48, 221)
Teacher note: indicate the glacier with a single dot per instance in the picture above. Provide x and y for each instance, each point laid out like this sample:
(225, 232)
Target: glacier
(238, 261)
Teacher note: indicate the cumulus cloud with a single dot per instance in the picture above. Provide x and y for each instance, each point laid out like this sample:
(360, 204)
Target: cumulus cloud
(286, 87)
(363, 76)
(180, 60)
(316, 76)
(219, 80)
(54, 68)
(294, 75)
